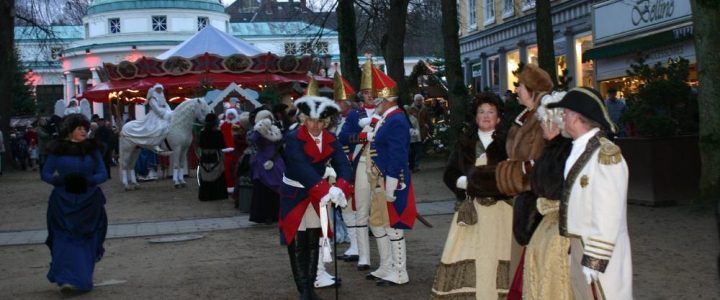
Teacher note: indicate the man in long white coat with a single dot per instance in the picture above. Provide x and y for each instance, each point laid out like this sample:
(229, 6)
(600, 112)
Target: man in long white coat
(593, 209)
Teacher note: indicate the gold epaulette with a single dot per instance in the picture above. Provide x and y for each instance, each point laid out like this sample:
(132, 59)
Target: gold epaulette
(610, 153)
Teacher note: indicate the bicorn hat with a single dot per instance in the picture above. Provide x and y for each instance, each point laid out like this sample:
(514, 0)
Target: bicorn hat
(587, 102)
(316, 107)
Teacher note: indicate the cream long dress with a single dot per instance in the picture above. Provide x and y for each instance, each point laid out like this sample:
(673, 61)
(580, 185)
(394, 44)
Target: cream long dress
(475, 263)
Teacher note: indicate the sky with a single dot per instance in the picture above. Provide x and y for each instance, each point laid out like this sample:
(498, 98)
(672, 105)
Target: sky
(314, 4)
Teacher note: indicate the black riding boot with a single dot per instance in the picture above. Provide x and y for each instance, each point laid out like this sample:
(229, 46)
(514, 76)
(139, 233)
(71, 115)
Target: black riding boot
(303, 260)
(294, 251)
(313, 254)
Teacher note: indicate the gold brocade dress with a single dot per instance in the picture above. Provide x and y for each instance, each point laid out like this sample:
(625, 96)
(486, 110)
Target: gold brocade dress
(547, 268)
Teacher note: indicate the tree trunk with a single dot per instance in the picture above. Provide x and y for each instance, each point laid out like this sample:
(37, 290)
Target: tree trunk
(7, 60)
(545, 38)
(347, 40)
(457, 92)
(394, 46)
(707, 45)
(706, 17)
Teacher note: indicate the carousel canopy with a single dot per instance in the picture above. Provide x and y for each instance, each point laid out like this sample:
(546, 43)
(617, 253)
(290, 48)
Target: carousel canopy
(211, 40)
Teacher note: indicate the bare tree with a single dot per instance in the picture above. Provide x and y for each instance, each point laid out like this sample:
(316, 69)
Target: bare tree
(706, 17)
(393, 45)
(7, 52)
(348, 42)
(545, 38)
(74, 11)
(457, 90)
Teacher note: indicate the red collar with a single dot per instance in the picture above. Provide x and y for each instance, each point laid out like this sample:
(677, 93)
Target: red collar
(311, 149)
(368, 106)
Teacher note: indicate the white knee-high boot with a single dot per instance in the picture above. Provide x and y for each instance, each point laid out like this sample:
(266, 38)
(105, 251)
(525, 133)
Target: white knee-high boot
(385, 252)
(349, 218)
(399, 274)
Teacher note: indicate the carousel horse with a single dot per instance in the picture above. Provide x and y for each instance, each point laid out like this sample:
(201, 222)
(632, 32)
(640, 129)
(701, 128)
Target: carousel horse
(178, 139)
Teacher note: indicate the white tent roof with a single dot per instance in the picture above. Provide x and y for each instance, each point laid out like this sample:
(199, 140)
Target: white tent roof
(211, 40)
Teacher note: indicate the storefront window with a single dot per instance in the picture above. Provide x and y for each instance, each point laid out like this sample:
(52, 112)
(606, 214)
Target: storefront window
(586, 73)
(494, 73)
(513, 63)
(533, 55)
(560, 64)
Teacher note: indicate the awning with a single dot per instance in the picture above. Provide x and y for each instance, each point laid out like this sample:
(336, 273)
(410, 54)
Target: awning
(188, 85)
(652, 41)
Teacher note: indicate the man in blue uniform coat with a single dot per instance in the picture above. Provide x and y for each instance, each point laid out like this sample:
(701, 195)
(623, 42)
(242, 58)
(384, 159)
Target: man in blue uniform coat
(308, 150)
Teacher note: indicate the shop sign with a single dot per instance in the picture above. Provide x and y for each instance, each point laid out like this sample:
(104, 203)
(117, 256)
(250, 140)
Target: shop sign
(614, 19)
(477, 70)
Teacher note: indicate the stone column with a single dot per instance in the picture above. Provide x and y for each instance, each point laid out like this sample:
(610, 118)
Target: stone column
(522, 47)
(69, 87)
(467, 72)
(571, 57)
(97, 106)
(502, 61)
(484, 79)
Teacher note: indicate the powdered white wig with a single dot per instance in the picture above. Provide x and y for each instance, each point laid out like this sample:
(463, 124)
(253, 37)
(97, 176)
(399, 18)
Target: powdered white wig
(316, 107)
(552, 115)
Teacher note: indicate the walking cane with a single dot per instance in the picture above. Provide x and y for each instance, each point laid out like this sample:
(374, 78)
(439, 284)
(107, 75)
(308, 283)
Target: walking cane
(335, 211)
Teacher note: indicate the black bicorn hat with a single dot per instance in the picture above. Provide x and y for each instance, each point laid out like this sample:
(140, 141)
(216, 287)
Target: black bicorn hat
(316, 107)
(587, 102)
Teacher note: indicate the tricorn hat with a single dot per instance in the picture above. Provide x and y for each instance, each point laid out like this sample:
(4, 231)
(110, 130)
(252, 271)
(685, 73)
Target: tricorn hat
(316, 107)
(587, 102)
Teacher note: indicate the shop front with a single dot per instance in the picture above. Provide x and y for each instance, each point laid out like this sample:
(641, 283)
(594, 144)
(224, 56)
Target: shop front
(491, 55)
(657, 30)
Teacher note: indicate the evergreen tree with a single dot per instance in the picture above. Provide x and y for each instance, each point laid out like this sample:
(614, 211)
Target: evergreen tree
(23, 100)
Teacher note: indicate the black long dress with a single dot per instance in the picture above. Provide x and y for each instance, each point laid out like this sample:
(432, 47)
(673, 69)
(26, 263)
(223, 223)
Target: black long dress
(212, 177)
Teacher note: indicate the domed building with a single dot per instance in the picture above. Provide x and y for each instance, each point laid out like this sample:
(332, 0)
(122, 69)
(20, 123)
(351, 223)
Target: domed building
(117, 30)
(65, 63)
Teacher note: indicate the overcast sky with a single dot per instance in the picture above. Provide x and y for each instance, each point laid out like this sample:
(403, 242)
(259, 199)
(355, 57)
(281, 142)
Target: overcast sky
(314, 4)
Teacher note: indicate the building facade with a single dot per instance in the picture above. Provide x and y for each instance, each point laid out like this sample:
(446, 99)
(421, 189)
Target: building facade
(497, 35)
(64, 63)
(655, 30)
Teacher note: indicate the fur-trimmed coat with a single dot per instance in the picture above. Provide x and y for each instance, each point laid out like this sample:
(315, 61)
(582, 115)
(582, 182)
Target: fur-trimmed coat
(524, 143)
(481, 180)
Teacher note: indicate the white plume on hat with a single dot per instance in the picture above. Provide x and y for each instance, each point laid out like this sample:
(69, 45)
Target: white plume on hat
(553, 115)
(316, 107)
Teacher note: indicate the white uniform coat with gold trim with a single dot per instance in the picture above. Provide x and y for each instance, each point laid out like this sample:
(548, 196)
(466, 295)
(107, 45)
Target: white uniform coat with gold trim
(594, 209)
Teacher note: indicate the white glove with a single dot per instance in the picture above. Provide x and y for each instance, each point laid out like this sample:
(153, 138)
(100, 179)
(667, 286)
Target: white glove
(325, 200)
(364, 122)
(329, 172)
(590, 274)
(268, 165)
(461, 183)
(168, 115)
(228, 149)
(337, 196)
(370, 136)
(390, 187)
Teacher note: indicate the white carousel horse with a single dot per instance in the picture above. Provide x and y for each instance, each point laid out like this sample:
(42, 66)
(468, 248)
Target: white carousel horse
(178, 138)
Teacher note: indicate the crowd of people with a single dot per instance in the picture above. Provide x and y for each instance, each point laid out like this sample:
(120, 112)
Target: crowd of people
(540, 210)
